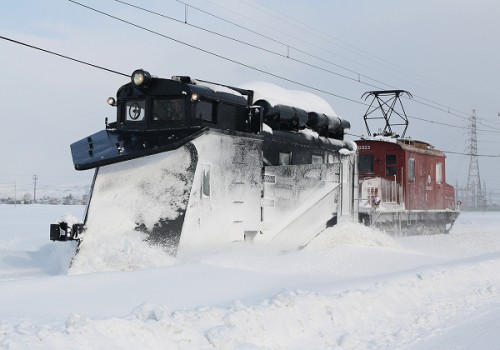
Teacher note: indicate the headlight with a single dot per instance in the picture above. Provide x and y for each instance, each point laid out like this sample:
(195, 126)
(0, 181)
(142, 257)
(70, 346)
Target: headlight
(141, 78)
(111, 101)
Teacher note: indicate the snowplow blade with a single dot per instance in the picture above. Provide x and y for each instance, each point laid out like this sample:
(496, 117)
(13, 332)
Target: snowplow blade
(109, 146)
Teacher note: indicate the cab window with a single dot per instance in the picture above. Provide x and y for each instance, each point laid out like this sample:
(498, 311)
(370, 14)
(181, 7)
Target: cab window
(168, 109)
(204, 111)
(390, 165)
(366, 163)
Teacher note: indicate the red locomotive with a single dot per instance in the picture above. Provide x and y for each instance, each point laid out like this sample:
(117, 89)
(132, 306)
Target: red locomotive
(403, 181)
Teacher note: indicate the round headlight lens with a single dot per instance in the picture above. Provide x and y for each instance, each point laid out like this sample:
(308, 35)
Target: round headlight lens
(111, 101)
(138, 78)
(141, 78)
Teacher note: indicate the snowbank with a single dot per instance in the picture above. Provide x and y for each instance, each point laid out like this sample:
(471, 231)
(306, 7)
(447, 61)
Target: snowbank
(351, 288)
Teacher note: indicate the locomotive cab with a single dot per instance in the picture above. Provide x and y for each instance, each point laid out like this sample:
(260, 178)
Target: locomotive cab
(156, 115)
(148, 104)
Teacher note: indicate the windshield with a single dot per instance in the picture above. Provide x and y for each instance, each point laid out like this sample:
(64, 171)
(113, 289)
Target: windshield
(168, 109)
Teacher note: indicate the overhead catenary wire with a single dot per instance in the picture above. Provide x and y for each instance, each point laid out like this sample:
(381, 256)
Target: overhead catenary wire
(351, 48)
(62, 56)
(262, 71)
(216, 54)
(428, 103)
(282, 55)
(221, 56)
(475, 155)
(367, 55)
(194, 47)
(180, 42)
(495, 130)
(116, 72)
(275, 40)
(288, 56)
(446, 109)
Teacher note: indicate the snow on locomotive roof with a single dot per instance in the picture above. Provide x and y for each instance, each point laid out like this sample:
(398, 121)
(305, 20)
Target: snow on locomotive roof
(405, 141)
(275, 95)
(217, 87)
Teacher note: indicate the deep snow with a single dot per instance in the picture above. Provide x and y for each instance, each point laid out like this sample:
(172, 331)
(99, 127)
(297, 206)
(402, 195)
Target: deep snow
(351, 288)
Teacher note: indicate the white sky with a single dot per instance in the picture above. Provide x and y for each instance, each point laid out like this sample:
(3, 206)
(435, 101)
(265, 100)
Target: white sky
(441, 51)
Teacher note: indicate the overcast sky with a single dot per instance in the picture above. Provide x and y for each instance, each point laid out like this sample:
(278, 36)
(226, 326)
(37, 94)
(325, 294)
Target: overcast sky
(445, 52)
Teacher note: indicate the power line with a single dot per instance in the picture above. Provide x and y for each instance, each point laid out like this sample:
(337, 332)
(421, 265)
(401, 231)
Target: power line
(224, 57)
(205, 51)
(216, 54)
(436, 105)
(262, 71)
(62, 56)
(360, 52)
(471, 154)
(452, 125)
(287, 56)
(187, 44)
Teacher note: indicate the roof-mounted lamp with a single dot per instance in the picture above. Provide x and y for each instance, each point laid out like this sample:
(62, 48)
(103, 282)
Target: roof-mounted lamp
(141, 78)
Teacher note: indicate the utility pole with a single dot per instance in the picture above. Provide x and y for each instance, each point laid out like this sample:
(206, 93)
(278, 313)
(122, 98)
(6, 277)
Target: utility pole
(35, 178)
(475, 197)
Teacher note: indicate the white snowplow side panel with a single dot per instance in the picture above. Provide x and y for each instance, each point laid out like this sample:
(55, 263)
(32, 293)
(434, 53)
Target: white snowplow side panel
(299, 201)
(226, 192)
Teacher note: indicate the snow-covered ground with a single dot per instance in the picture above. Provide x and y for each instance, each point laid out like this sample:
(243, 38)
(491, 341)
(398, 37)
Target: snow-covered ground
(351, 288)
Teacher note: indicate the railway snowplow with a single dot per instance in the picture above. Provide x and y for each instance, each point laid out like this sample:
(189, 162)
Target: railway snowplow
(190, 164)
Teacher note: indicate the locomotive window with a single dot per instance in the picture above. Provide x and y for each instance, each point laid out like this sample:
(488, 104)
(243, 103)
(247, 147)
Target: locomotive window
(390, 159)
(439, 173)
(285, 158)
(390, 170)
(390, 164)
(411, 169)
(317, 159)
(204, 111)
(168, 110)
(134, 111)
(366, 163)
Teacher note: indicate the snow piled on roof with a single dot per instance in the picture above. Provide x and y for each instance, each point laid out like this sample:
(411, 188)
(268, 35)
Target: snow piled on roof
(275, 95)
(381, 138)
(217, 88)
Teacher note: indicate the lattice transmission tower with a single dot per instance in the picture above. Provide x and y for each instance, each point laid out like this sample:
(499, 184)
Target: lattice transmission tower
(474, 193)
